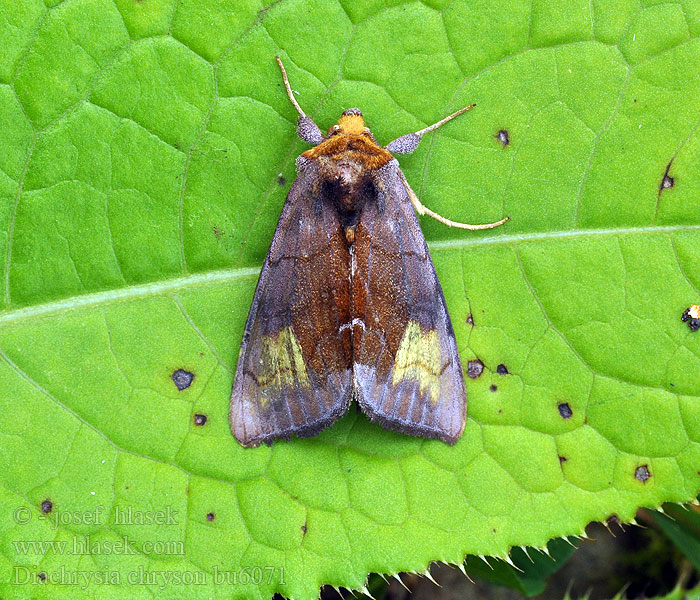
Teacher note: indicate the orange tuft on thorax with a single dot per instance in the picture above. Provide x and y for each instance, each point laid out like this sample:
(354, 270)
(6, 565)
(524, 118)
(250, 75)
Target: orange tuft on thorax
(351, 124)
(349, 139)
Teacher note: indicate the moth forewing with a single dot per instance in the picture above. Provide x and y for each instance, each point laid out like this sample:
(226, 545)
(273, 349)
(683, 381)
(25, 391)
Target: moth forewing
(407, 371)
(293, 375)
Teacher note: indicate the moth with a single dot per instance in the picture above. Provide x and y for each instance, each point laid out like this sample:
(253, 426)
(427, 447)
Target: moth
(348, 304)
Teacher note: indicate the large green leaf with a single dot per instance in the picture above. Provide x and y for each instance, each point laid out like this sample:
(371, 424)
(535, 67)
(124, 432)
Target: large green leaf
(142, 144)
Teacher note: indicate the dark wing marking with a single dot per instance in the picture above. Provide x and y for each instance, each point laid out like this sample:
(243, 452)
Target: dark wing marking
(294, 369)
(407, 371)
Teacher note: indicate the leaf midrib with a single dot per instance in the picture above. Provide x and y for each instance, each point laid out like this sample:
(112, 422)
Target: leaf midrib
(156, 288)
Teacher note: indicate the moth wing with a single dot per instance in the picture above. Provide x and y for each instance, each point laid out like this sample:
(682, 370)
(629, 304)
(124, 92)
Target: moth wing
(294, 375)
(407, 371)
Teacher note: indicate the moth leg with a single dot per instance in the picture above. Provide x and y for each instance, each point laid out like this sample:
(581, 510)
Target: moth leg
(424, 210)
(307, 130)
(409, 142)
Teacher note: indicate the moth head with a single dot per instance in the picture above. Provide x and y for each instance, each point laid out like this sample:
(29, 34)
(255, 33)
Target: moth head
(350, 123)
(349, 141)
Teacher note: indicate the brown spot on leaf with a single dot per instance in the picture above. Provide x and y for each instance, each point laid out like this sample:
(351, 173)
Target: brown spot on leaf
(612, 520)
(563, 459)
(200, 419)
(565, 410)
(474, 369)
(667, 181)
(42, 576)
(46, 506)
(642, 473)
(182, 379)
(502, 369)
(470, 320)
(211, 516)
(217, 232)
(503, 137)
(493, 388)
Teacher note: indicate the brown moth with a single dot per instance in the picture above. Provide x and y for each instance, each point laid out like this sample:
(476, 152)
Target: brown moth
(348, 305)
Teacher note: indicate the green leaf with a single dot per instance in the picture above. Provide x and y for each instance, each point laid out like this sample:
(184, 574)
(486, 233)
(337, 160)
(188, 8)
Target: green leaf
(142, 146)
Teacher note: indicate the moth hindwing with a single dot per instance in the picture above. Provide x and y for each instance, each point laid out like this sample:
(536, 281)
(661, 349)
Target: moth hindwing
(348, 304)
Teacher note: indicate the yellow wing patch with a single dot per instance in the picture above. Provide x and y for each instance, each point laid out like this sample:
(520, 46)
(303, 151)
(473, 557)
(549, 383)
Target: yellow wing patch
(281, 362)
(418, 358)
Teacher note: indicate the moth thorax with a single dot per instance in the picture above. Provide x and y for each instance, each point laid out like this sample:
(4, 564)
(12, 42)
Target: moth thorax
(347, 184)
(348, 174)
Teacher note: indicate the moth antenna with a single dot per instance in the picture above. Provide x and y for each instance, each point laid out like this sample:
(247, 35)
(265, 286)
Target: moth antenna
(441, 122)
(292, 99)
(424, 210)
(307, 130)
(409, 142)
